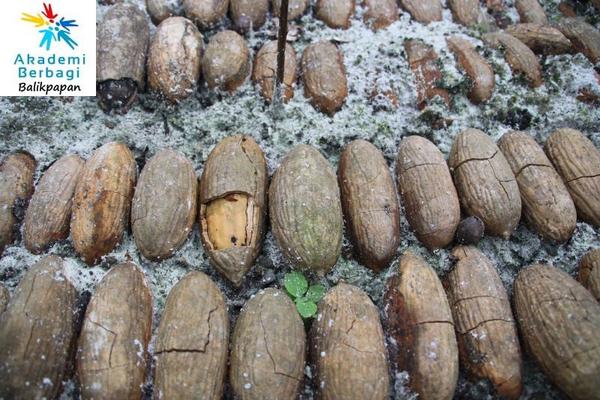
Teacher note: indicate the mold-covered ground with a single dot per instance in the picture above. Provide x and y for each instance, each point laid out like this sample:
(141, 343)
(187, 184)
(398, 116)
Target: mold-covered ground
(50, 127)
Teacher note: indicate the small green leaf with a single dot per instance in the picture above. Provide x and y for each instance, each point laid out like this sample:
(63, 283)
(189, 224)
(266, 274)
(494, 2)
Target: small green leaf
(315, 293)
(307, 309)
(295, 283)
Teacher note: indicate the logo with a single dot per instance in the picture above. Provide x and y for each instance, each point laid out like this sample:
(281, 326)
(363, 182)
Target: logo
(55, 30)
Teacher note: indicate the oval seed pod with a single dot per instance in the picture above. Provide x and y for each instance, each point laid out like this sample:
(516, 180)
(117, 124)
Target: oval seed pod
(226, 63)
(589, 272)
(486, 185)
(248, 14)
(541, 38)
(233, 191)
(585, 38)
(296, 8)
(466, 12)
(102, 201)
(163, 209)
(324, 76)
(16, 187)
(267, 350)
(305, 210)
(347, 347)
(423, 61)
(112, 349)
(478, 70)
(531, 11)
(520, 57)
(4, 298)
(485, 327)
(191, 341)
(559, 322)
(38, 333)
(380, 14)
(160, 10)
(547, 205)
(205, 13)
(49, 213)
(174, 59)
(424, 11)
(427, 192)
(264, 73)
(577, 161)
(335, 13)
(369, 203)
(121, 64)
(417, 317)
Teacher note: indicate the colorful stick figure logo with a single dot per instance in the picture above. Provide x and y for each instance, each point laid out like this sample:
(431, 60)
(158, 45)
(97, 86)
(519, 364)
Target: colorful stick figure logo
(55, 30)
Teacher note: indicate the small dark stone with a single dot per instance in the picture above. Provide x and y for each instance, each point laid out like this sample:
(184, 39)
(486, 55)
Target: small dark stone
(117, 96)
(470, 231)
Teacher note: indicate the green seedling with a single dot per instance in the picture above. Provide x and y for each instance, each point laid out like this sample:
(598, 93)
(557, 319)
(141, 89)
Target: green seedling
(305, 297)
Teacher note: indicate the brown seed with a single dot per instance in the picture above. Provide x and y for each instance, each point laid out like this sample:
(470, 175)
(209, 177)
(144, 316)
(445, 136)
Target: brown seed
(16, 187)
(423, 61)
(485, 327)
(369, 203)
(37, 333)
(547, 205)
(324, 76)
(233, 200)
(427, 192)
(520, 57)
(49, 213)
(121, 64)
(589, 272)
(541, 38)
(466, 12)
(296, 8)
(486, 185)
(566, 9)
(267, 350)
(248, 14)
(4, 298)
(347, 347)
(102, 201)
(163, 209)
(417, 317)
(264, 73)
(226, 63)
(159, 10)
(478, 70)
(559, 322)
(205, 13)
(577, 161)
(470, 231)
(380, 14)
(174, 59)
(424, 11)
(305, 210)
(191, 341)
(111, 356)
(335, 13)
(585, 38)
(531, 11)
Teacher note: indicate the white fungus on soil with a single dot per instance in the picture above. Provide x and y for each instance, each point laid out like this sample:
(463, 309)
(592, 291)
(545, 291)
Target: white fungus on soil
(49, 127)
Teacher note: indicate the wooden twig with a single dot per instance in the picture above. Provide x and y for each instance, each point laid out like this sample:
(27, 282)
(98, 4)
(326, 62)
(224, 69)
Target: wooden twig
(281, 41)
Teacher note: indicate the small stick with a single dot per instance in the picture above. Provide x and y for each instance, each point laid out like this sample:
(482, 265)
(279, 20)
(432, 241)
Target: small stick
(281, 41)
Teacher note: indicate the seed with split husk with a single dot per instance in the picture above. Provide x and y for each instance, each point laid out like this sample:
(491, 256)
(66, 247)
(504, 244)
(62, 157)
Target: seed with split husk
(267, 348)
(577, 161)
(423, 61)
(418, 319)
(335, 13)
(424, 11)
(370, 204)
(49, 213)
(589, 272)
(16, 187)
(113, 344)
(248, 14)
(585, 38)
(347, 347)
(160, 10)
(485, 327)
(466, 12)
(559, 322)
(226, 63)
(478, 70)
(121, 64)
(295, 8)
(547, 205)
(233, 192)
(163, 209)
(191, 341)
(305, 210)
(174, 59)
(531, 11)
(470, 231)
(38, 333)
(541, 38)
(205, 13)
(264, 73)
